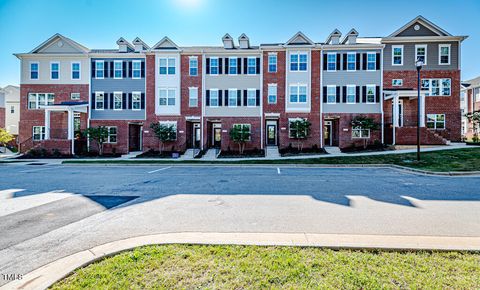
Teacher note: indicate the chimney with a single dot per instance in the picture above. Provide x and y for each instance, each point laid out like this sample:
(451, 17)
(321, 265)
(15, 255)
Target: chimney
(244, 41)
(227, 41)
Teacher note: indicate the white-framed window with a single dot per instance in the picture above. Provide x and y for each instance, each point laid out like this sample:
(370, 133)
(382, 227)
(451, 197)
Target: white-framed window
(99, 69)
(193, 66)
(213, 97)
(351, 61)
(444, 54)
(76, 70)
(34, 69)
(298, 93)
(35, 100)
(214, 65)
(117, 69)
(75, 96)
(117, 101)
(436, 121)
(292, 131)
(351, 94)
(331, 61)
(244, 129)
(167, 97)
(193, 97)
(252, 65)
(437, 87)
(397, 54)
(172, 124)
(397, 82)
(359, 132)
(371, 94)
(331, 94)
(54, 70)
(167, 66)
(371, 61)
(272, 93)
(136, 69)
(421, 53)
(12, 109)
(298, 61)
(112, 134)
(272, 62)
(232, 66)
(136, 101)
(251, 97)
(99, 101)
(232, 97)
(38, 133)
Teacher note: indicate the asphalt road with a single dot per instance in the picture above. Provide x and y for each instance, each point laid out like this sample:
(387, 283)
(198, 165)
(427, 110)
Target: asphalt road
(48, 212)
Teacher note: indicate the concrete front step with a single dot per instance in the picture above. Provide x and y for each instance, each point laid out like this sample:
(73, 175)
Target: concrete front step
(272, 152)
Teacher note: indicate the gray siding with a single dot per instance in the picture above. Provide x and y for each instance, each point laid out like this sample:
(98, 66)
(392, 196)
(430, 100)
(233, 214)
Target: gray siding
(229, 81)
(409, 57)
(352, 108)
(118, 115)
(233, 112)
(423, 31)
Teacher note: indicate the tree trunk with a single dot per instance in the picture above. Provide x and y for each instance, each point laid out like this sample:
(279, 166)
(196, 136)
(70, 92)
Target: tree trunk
(100, 149)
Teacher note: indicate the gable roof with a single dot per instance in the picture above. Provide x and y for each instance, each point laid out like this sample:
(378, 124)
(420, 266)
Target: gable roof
(335, 32)
(423, 21)
(351, 32)
(122, 40)
(137, 40)
(473, 82)
(243, 37)
(58, 36)
(227, 37)
(299, 39)
(165, 43)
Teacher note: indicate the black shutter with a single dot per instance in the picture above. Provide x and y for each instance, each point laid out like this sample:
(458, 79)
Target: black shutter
(258, 65)
(106, 101)
(324, 94)
(344, 94)
(357, 94)
(129, 101)
(124, 69)
(364, 94)
(365, 60)
(143, 69)
(142, 98)
(245, 65)
(245, 98)
(220, 98)
(106, 69)
(257, 101)
(357, 65)
(344, 61)
(239, 98)
(93, 69)
(239, 66)
(378, 61)
(325, 64)
(207, 97)
(227, 61)
(338, 94)
(377, 94)
(207, 64)
(226, 98)
(111, 100)
(93, 101)
(220, 66)
(124, 101)
(130, 68)
(338, 61)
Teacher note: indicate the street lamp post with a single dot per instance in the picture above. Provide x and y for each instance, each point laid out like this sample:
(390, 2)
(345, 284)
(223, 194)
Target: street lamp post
(419, 65)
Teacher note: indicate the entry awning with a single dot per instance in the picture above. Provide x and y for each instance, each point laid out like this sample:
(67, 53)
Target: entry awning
(272, 115)
(411, 94)
(81, 107)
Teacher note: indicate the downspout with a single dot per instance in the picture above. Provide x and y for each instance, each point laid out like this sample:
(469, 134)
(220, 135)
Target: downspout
(262, 137)
(382, 97)
(203, 101)
(322, 140)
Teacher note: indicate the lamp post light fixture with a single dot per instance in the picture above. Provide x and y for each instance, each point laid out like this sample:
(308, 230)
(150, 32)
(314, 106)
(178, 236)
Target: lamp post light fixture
(418, 64)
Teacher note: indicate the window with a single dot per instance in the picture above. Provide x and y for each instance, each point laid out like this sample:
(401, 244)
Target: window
(298, 62)
(272, 93)
(251, 98)
(370, 94)
(298, 94)
(99, 101)
(331, 94)
(351, 94)
(193, 66)
(371, 61)
(232, 66)
(421, 53)
(34, 70)
(397, 82)
(214, 98)
(112, 135)
(245, 129)
(437, 87)
(359, 132)
(136, 101)
(172, 124)
(54, 70)
(214, 66)
(99, 69)
(444, 54)
(331, 62)
(351, 61)
(397, 55)
(167, 97)
(252, 65)
(193, 97)
(37, 100)
(117, 69)
(293, 131)
(117, 100)
(75, 96)
(76, 122)
(272, 63)
(436, 121)
(232, 97)
(12, 109)
(38, 133)
(136, 69)
(75, 70)
(167, 66)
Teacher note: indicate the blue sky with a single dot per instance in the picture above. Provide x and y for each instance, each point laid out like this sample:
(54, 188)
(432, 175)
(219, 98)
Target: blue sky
(98, 24)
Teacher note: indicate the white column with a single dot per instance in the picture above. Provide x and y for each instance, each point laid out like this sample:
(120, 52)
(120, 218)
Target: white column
(47, 124)
(422, 110)
(395, 116)
(70, 125)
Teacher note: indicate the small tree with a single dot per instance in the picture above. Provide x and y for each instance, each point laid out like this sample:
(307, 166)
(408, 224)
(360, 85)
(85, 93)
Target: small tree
(99, 135)
(165, 133)
(300, 130)
(474, 118)
(5, 137)
(240, 134)
(365, 123)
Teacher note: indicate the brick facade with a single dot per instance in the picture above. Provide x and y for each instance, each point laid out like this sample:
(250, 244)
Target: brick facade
(227, 124)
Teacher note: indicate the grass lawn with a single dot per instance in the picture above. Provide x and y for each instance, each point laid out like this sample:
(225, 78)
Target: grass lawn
(442, 161)
(256, 267)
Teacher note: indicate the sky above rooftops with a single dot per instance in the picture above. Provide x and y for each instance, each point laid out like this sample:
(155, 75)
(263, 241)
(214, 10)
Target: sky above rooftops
(24, 24)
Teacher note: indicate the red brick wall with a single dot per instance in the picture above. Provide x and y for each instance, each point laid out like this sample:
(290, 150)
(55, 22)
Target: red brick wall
(274, 78)
(227, 124)
(2, 117)
(190, 81)
(152, 142)
(408, 136)
(121, 147)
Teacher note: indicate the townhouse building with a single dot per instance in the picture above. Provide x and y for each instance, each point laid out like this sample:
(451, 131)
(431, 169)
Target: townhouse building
(470, 103)
(10, 109)
(204, 91)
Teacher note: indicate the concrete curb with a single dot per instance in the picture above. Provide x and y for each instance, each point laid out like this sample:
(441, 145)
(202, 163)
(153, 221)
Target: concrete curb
(47, 275)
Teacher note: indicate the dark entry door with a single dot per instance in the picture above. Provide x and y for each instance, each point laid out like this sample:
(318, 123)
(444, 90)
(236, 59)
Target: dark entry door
(134, 138)
(196, 136)
(271, 135)
(327, 133)
(217, 137)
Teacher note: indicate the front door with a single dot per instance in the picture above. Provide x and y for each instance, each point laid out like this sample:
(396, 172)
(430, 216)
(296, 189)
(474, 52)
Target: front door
(271, 135)
(196, 135)
(327, 133)
(217, 137)
(134, 137)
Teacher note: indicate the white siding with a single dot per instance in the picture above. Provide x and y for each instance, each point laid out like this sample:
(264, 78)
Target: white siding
(167, 81)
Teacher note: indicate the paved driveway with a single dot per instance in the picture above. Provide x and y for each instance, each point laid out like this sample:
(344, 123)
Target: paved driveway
(47, 212)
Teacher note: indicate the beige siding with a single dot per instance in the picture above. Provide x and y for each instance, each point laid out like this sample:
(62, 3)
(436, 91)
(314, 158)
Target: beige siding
(65, 69)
